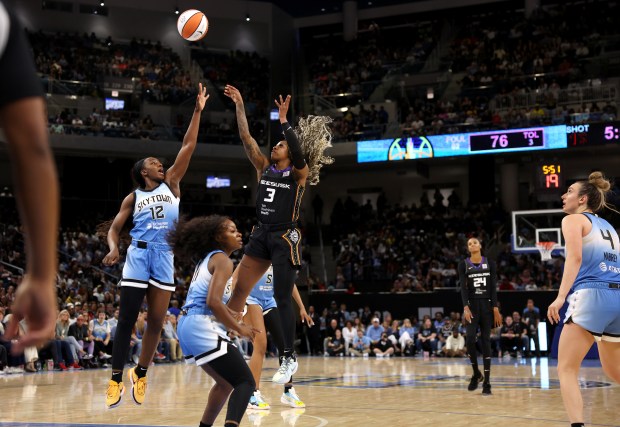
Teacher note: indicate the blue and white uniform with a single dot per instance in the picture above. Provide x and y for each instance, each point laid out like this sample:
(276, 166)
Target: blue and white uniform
(149, 258)
(201, 336)
(262, 293)
(595, 300)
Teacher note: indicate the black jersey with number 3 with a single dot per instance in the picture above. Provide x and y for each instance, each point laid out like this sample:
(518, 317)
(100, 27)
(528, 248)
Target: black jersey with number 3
(278, 197)
(478, 280)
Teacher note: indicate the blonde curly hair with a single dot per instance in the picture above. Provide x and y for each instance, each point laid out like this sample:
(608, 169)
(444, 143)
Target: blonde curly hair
(315, 137)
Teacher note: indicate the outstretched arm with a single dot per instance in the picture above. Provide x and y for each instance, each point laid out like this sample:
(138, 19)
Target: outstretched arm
(305, 318)
(115, 229)
(258, 159)
(300, 168)
(36, 186)
(176, 172)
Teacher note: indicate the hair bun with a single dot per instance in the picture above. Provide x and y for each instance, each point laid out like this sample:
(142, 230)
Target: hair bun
(599, 181)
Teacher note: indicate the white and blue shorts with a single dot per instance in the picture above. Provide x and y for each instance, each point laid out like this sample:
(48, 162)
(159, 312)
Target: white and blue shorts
(202, 339)
(265, 304)
(150, 265)
(597, 310)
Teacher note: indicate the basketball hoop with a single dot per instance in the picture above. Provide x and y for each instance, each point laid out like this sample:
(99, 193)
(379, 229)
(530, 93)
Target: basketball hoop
(545, 249)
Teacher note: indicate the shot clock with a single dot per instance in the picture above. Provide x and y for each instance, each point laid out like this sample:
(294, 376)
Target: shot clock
(549, 177)
(586, 135)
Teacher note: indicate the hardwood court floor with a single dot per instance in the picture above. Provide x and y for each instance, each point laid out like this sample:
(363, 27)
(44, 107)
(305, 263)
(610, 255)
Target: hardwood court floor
(337, 392)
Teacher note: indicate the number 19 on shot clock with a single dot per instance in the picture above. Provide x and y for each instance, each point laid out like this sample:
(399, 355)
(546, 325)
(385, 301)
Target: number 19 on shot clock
(550, 177)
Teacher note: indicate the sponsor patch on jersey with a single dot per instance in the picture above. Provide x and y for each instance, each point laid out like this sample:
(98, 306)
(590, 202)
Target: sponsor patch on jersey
(602, 266)
(287, 173)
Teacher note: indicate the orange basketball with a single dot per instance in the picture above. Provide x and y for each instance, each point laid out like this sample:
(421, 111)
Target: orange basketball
(192, 25)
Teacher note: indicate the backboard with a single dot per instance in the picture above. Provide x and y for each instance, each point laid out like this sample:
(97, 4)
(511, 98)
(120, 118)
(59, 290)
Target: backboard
(529, 227)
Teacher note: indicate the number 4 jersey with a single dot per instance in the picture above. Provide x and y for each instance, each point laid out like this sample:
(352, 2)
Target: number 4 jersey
(278, 197)
(154, 213)
(599, 254)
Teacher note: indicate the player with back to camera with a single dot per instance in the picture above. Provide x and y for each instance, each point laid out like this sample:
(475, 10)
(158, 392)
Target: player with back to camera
(23, 119)
(205, 318)
(592, 274)
(478, 277)
(276, 239)
(149, 267)
(262, 314)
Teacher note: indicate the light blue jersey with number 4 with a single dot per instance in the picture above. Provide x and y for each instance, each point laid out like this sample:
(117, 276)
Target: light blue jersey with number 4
(599, 254)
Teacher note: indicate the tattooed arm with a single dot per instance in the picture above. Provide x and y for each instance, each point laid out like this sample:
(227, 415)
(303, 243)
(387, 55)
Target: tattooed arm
(258, 159)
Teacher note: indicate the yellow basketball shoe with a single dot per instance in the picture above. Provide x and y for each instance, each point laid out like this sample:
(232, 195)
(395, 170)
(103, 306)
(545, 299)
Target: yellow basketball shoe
(114, 394)
(138, 386)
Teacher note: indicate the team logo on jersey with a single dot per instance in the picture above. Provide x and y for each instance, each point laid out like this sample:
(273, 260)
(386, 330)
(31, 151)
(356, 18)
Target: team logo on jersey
(293, 236)
(602, 266)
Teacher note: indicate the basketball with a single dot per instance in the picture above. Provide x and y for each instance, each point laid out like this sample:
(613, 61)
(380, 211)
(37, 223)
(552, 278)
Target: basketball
(192, 25)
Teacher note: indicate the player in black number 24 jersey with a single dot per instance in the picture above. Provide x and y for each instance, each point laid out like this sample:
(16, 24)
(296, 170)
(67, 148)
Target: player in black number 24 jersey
(478, 277)
(276, 238)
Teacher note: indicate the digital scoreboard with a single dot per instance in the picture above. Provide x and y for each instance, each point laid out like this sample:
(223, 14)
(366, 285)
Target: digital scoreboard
(462, 144)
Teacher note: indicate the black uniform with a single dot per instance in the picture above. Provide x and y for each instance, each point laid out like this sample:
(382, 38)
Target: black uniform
(277, 238)
(478, 291)
(18, 78)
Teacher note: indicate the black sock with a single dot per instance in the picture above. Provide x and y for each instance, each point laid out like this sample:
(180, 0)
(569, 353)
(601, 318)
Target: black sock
(287, 388)
(117, 376)
(487, 369)
(140, 371)
(204, 425)
(577, 425)
(288, 352)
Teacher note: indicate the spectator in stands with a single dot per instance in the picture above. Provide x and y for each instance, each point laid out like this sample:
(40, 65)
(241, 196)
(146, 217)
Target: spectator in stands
(427, 337)
(62, 333)
(348, 334)
(79, 331)
(510, 338)
(99, 329)
(455, 345)
(361, 345)
(335, 345)
(374, 331)
(170, 335)
(384, 347)
(531, 317)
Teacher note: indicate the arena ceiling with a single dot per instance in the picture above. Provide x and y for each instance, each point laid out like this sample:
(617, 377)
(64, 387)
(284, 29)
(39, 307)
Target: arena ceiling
(301, 8)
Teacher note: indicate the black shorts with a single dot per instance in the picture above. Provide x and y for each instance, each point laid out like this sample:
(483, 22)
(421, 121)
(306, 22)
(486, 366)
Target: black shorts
(279, 246)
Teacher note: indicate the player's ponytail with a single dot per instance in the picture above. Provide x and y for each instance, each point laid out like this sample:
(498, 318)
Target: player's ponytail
(315, 137)
(596, 188)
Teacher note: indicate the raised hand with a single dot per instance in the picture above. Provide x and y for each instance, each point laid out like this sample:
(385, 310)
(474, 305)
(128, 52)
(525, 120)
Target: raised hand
(201, 98)
(233, 93)
(283, 107)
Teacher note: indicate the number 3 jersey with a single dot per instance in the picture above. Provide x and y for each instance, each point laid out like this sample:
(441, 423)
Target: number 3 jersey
(154, 214)
(278, 197)
(599, 254)
(478, 280)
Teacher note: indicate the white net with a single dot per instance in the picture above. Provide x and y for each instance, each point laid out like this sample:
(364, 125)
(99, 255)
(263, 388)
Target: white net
(545, 249)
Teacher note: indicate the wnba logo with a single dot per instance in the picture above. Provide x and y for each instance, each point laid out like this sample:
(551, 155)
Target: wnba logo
(602, 266)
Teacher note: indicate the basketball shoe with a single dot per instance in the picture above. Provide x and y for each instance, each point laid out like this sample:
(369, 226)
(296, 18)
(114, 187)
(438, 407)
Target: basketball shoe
(257, 402)
(475, 380)
(138, 386)
(288, 367)
(114, 394)
(291, 399)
